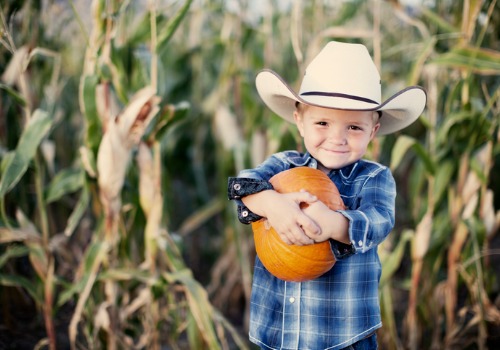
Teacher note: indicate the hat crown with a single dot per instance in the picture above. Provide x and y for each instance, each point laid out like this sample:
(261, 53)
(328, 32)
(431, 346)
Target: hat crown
(342, 70)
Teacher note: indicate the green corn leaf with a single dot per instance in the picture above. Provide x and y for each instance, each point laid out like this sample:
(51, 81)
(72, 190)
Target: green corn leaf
(434, 17)
(171, 26)
(393, 260)
(478, 60)
(444, 174)
(14, 94)
(402, 145)
(65, 182)
(32, 136)
(416, 71)
(425, 157)
(71, 290)
(78, 212)
(452, 119)
(88, 103)
(13, 251)
(26, 284)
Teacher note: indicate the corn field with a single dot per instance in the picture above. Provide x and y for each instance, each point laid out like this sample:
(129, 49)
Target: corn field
(120, 122)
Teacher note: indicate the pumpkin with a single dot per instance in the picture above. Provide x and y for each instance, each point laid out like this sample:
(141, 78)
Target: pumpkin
(292, 262)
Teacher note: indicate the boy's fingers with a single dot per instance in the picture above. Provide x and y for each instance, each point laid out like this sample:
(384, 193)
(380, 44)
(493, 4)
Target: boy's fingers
(309, 227)
(305, 197)
(295, 235)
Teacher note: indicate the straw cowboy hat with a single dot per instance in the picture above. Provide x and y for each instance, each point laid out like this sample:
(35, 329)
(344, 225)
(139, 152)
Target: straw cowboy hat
(342, 76)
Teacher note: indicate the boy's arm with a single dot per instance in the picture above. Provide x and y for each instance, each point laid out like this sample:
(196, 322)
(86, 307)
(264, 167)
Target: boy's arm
(333, 225)
(365, 224)
(284, 214)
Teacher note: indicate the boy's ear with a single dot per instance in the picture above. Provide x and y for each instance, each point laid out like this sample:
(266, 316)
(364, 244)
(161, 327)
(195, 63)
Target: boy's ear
(375, 129)
(299, 122)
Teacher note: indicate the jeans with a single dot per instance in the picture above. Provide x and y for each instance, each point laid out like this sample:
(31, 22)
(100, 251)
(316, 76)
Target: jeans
(369, 343)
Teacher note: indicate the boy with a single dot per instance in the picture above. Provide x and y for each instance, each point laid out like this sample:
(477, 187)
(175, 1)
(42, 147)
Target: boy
(338, 111)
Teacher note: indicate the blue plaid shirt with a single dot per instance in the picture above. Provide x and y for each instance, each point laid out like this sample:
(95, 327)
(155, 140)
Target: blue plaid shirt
(342, 306)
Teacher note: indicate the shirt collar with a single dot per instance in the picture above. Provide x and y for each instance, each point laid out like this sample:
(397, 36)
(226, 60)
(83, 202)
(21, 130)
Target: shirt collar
(307, 160)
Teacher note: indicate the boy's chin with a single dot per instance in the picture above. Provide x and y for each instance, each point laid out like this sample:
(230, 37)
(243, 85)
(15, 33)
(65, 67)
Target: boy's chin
(329, 166)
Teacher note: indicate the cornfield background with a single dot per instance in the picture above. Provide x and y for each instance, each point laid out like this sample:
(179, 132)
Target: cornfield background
(120, 122)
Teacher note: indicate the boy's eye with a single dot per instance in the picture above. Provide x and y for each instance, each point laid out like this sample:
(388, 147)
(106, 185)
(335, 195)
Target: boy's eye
(322, 123)
(354, 127)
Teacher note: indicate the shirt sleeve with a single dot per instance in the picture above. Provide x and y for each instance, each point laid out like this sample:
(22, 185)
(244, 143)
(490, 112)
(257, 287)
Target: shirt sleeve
(373, 216)
(251, 181)
(239, 187)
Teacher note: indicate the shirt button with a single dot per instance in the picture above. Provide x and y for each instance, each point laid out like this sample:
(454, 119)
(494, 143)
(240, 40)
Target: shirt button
(360, 243)
(292, 300)
(237, 187)
(244, 213)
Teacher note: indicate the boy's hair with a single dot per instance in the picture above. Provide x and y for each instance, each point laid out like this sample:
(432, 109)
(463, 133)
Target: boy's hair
(300, 109)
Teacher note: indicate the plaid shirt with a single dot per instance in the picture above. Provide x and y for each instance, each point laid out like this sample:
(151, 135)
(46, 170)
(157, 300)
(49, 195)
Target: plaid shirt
(342, 306)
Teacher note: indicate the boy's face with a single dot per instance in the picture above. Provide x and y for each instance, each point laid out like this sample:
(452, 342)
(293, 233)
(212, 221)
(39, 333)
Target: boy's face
(335, 138)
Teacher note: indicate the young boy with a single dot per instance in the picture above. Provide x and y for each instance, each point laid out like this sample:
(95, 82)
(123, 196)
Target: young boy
(338, 111)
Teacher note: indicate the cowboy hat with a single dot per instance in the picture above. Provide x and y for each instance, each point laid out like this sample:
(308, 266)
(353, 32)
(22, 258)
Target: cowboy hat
(342, 76)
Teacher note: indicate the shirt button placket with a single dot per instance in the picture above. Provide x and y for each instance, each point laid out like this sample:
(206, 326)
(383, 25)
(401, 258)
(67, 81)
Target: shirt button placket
(291, 314)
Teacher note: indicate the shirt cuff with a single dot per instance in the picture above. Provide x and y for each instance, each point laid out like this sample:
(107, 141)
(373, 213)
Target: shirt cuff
(238, 187)
(246, 216)
(358, 229)
(341, 250)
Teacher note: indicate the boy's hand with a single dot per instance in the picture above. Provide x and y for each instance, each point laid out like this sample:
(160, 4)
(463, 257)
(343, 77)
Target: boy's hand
(284, 214)
(333, 225)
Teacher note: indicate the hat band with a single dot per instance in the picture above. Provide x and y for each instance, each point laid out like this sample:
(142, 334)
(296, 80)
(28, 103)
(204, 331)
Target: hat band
(335, 94)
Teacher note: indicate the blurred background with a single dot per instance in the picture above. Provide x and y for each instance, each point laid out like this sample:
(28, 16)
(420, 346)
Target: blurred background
(120, 122)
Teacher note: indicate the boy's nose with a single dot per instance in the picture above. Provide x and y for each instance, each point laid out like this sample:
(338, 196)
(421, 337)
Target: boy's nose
(337, 136)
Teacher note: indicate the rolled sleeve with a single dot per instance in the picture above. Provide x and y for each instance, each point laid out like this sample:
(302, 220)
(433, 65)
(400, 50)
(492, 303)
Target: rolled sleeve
(238, 188)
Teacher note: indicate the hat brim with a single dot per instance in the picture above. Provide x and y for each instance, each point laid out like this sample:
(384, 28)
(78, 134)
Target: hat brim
(398, 111)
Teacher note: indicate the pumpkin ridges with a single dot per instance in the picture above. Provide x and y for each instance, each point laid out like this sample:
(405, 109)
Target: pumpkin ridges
(292, 262)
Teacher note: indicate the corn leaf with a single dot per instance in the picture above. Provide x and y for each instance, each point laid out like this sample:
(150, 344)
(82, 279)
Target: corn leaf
(443, 25)
(26, 284)
(87, 270)
(13, 251)
(402, 145)
(393, 260)
(18, 235)
(14, 94)
(71, 290)
(444, 174)
(452, 119)
(65, 182)
(88, 104)
(125, 274)
(171, 26)
(37, 128)
(478, 60)
(78, 212)
(199, 305)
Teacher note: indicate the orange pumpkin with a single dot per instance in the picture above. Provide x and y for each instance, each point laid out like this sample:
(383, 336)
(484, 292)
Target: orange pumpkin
(292, 262)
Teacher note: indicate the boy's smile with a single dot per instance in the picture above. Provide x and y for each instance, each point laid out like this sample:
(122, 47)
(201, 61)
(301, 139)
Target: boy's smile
(335, 138)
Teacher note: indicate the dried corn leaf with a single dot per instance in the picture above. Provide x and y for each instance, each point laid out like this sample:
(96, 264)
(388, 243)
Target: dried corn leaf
(422, 237)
